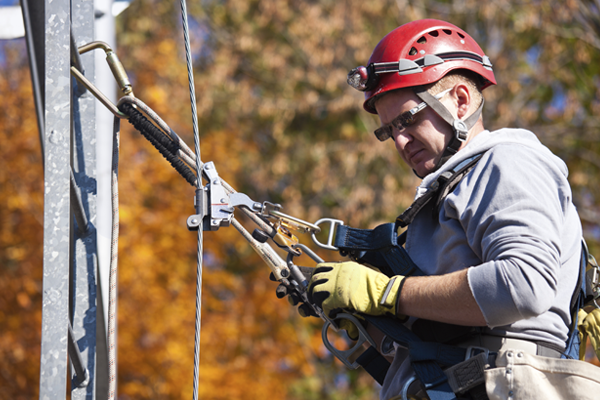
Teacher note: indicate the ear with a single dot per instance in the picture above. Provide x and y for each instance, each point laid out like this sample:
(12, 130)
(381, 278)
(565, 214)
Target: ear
(463, 100)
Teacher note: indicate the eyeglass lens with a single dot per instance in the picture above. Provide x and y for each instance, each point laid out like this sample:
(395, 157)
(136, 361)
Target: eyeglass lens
(402, 121)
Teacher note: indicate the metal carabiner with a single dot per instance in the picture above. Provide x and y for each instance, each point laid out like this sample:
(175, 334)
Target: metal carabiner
(113, 62)
(404, 394)
(118, 72)
(294, 223)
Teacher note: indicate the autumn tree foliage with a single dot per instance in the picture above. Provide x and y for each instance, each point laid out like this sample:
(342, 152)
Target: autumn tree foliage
(281, 124)
(21, 228)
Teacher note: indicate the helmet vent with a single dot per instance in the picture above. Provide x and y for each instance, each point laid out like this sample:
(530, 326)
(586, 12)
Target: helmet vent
(434, 33)
(447, 31)
(461, 35)
(412, 51)
(422, 40)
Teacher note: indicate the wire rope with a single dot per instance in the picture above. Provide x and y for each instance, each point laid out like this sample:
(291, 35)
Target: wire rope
(190, 71)
(112, 278)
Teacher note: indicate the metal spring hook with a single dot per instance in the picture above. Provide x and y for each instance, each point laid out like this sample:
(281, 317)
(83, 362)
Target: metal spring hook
(113, 62)
(118, 72)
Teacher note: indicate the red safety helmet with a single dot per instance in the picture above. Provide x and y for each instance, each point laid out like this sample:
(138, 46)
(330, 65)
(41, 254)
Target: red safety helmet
(419, 53)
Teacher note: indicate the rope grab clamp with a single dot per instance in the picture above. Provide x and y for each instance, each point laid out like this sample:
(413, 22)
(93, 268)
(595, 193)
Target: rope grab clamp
(215, 206)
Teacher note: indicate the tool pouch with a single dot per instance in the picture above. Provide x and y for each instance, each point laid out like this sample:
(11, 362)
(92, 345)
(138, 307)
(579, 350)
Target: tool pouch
(519, 375)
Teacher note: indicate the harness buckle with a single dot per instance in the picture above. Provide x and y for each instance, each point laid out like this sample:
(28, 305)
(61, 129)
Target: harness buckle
(347, 357)
(466, 375)
(473, 351)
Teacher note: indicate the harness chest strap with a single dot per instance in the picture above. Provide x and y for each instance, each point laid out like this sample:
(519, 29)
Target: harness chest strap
(381, 247)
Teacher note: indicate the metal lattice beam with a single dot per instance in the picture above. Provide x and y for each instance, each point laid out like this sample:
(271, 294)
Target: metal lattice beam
(55, 303)
(67, 122)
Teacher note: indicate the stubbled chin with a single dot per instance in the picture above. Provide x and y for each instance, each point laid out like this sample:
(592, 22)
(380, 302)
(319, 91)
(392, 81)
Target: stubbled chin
(421, 164)
(424, 168)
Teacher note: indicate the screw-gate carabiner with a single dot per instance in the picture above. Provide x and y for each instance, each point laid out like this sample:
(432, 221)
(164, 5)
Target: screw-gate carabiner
(113, 62)
(118, 72)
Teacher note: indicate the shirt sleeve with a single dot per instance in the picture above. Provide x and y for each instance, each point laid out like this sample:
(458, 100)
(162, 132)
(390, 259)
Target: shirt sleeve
(512, 208)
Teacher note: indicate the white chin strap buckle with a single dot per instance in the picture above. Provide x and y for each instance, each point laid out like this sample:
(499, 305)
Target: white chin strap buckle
(460, 130)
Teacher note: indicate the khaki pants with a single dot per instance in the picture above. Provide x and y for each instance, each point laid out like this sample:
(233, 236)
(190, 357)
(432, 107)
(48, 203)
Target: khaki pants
(519, 375)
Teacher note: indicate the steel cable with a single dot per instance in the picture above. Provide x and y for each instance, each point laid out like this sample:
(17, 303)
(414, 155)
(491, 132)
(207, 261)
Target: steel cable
(190, 70)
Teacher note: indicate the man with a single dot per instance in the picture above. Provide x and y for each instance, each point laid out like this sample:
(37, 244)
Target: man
(502, 250)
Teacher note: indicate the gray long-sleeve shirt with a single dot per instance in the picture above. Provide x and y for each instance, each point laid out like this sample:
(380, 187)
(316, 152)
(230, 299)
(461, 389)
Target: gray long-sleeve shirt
(512, 223)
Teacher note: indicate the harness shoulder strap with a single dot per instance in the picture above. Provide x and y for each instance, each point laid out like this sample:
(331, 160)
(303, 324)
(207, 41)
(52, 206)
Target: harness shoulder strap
(439, 189)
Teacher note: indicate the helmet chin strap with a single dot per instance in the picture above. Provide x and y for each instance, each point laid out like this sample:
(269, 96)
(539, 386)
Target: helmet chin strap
(460, 128)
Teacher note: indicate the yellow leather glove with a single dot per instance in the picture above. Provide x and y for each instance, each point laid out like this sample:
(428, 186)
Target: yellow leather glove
(350, 328)
(589, 326)
(352, 286)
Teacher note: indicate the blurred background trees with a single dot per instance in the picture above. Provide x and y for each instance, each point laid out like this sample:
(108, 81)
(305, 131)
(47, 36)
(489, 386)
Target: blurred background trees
(281, 124)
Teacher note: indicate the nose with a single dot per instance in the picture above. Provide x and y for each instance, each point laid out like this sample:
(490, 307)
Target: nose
(401, 138)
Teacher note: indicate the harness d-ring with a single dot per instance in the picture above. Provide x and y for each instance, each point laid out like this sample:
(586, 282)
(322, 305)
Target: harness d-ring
(333, 224)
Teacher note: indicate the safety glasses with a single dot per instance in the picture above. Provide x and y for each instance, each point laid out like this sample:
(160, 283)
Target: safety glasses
(403, 120)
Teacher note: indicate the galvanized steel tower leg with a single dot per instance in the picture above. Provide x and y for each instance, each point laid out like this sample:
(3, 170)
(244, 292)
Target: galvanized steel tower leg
(85, 261)
(55, 303)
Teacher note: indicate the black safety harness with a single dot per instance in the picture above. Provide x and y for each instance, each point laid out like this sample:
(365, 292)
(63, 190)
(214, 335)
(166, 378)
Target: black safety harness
(444, 369)
(383, 249)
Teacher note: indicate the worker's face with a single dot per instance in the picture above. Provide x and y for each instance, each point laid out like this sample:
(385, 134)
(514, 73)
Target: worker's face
(421, 144)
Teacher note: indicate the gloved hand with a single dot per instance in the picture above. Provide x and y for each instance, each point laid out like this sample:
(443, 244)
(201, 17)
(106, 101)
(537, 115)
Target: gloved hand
(589, 326)
(352, 286)
(293, 298)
